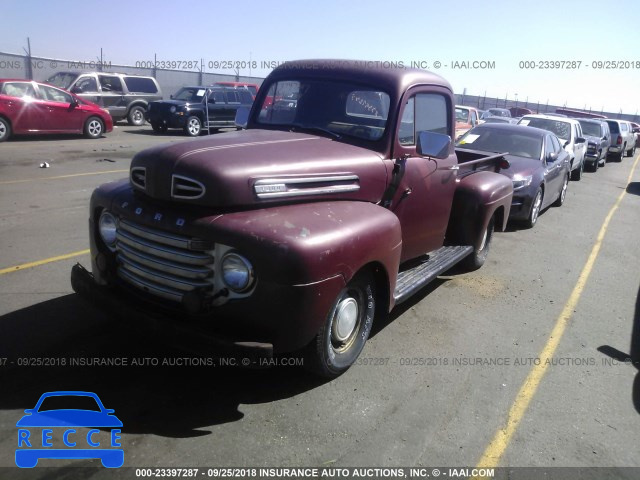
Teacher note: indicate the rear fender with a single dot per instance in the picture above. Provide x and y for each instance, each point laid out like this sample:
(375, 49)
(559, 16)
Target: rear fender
(479, 196)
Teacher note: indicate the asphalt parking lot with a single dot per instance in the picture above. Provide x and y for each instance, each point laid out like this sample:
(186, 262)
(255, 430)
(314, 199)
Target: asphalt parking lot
(435, 385)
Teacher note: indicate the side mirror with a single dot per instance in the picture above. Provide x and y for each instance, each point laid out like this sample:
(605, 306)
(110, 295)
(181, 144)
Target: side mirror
(580, 140)
(432, 144)
(171, 96)
(74, 103)
(552, 157)
(605, 138)
(242, 117)
(566, 143)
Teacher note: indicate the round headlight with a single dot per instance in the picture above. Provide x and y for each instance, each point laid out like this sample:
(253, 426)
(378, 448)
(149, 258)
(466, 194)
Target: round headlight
(172, 109)
(107, 227)
(237, 272)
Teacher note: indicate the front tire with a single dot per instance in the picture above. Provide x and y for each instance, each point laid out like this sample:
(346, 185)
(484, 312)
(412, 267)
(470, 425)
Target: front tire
(536, 205)
(136, 116)
(193, 126)
(576, 174)
(5, 129)
(563, 193)
(93, 128)
(479, 255)
(346, 329)
(159, 127)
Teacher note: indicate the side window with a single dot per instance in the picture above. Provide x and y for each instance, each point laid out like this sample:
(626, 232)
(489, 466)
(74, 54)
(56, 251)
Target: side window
(232, 97)
(474, 118)
(54, 95)
(110, 83)
(431, 113)
(140, 84)
(549, 147)
(407, 124)
(86, 85)
(623, 126)
(245, 97)
(18, 89)
(218, 97)
(556, 144)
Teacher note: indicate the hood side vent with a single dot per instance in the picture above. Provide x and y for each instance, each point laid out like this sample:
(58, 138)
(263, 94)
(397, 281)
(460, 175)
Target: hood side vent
(185, 188)
(138, 177)
(266, 188)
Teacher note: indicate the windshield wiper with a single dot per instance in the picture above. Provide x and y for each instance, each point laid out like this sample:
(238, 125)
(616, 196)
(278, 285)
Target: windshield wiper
(314, 128)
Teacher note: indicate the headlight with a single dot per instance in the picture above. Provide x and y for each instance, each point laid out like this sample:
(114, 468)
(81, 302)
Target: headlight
(521, 182)
(107, 228)
(172, 109)
(237, 272)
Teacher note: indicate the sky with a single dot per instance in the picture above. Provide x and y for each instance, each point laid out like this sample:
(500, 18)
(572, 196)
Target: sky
(503, 34)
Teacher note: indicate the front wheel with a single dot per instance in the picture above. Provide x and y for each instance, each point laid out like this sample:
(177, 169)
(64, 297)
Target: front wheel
(563, 193)
(535, 209)
(346, 329)
(193, 126)
(159, 127)
(136, 116)
(479, 255)
(5, 129)
(93, 128)
(576, 174)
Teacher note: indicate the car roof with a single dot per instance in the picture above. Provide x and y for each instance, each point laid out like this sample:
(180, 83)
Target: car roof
(550, 117)
(510, 127)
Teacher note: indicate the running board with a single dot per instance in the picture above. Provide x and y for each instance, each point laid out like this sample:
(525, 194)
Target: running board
(439, 261)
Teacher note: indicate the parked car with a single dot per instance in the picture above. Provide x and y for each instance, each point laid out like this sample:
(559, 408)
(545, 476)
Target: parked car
(186, 109)
(252, 87)
(466, 118)
(598, 138)
(636, 132)
(301, 231)
(539, 166)
(125, 96)
(623, 140)
(28, 107)
(520, 111)
(569, 131)
(496, 112)
(501, 120)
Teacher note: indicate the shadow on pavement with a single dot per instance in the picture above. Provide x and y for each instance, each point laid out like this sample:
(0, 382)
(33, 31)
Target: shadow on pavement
(633, 188)
(153, 387)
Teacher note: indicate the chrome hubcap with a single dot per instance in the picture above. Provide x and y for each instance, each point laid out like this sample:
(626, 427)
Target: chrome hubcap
(137, 116)
(346, 319)
(484, 239)
(194, 126)
(536, 207)
(95, 128)
(564, 189)
(3, 130)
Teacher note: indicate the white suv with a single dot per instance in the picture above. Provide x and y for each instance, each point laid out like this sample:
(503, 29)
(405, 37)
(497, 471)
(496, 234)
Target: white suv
(569, 132)
(623, 140)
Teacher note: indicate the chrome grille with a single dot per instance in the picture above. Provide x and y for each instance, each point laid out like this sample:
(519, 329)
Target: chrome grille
(164, 264)
(186, 188)
(139, 177)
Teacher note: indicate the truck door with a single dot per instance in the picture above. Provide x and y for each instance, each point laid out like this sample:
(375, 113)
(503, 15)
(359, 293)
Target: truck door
(425, 191)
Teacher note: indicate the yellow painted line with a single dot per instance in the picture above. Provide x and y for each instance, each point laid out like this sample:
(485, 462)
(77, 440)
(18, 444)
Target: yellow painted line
(58, 177)
(43, 262)
(494, 451)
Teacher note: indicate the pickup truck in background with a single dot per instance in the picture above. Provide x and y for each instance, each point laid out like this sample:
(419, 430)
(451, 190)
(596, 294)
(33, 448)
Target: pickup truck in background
(466, 119)
(299, 232)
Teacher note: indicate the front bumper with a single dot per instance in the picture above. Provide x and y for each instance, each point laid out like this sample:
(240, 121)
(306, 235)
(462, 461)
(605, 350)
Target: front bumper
(171, 121)
(191, 335)
(520, 207)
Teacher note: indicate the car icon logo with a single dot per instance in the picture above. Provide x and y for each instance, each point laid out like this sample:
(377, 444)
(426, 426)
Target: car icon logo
(69, 425)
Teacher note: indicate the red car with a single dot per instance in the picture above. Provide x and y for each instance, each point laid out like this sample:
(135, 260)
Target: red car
(252, 87)
(28, 107)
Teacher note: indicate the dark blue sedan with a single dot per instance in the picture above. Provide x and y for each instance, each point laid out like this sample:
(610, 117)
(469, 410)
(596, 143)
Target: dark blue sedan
(539, 165)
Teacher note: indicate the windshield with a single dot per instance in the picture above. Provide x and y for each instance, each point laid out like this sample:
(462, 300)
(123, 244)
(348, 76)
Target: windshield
(499, 112)
(62, 79)
(67, 402)
(591, 129)
(190, 94)
(560, 128)
(501, 141)
(462, 115)
(338, 108)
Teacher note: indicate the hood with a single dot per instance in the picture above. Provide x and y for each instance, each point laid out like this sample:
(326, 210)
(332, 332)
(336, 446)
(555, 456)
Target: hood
(177, 103)
(253, 167)
(592, 139)
(521, 166)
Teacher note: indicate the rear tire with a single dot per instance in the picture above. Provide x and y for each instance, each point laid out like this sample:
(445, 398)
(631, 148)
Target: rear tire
(632, 152)
(136, 116)
(346, 329)
(93, 128)
(5, 129)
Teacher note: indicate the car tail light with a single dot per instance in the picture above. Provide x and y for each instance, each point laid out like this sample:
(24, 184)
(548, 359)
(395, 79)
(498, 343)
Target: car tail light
(619, 142)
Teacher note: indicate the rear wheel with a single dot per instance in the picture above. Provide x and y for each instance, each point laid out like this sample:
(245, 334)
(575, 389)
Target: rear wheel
(193, 126)
(346, 329)
(93, 128)
(632, 152)
(5, 129)
(136, 116)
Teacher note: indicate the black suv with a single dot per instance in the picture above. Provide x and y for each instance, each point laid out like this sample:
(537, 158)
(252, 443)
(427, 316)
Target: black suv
(125, 96)
(186, 109)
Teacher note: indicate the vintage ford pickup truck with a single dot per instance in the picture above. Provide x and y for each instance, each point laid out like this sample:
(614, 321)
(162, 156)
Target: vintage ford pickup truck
(298, 232)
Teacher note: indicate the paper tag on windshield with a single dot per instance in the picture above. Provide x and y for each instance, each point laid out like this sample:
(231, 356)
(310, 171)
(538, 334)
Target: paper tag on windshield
(469, 139)
(524, 122)
(200, 93)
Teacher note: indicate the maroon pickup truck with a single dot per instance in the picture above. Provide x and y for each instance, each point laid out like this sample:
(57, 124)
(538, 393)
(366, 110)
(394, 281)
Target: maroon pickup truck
(333, 204)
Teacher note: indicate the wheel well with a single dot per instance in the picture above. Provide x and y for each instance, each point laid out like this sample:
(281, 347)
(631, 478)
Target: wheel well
(6, 119)
(136, 104)
(498, 218)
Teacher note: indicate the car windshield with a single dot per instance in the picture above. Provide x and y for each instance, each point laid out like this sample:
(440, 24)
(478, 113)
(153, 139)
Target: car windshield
(190, 94)
(462, 115)
(591, 129)
(499, 112)
(337, 108)
(62, 79)
(501, 141)
(560, 128)
(69, 402)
